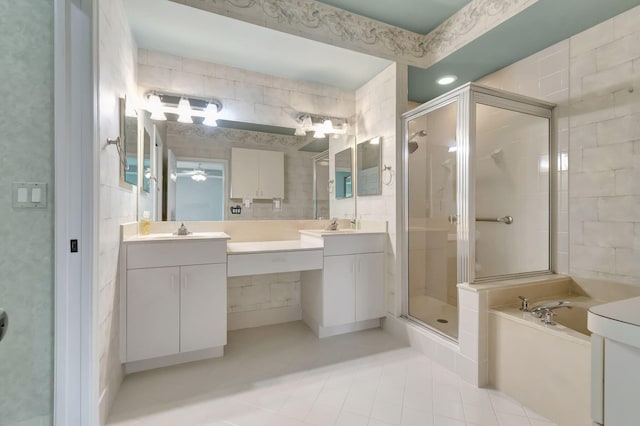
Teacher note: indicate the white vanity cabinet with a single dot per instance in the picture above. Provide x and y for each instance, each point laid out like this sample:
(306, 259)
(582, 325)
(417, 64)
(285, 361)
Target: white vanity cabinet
(348, 293)
(174, 302)
(353, 288)
(257, 174)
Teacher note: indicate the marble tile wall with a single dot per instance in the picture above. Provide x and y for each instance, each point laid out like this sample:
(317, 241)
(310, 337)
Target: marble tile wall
(604, 124)
(26, 252)
(117, 77)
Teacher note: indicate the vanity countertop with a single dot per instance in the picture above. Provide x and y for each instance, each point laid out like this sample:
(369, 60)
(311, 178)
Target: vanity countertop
(326, 233)
(271, 246)
(173, 237)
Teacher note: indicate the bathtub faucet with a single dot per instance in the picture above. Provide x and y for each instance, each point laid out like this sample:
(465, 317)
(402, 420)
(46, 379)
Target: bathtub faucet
(545, 312)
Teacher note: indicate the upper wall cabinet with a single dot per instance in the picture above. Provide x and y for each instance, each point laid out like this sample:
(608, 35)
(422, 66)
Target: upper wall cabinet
(257, 174)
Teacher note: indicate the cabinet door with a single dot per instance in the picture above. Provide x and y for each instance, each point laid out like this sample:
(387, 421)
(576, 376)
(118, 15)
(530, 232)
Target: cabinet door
(245, 173)
(153, 312)
(338, 290)
(203, 306)
(370, 286)
(271, 174)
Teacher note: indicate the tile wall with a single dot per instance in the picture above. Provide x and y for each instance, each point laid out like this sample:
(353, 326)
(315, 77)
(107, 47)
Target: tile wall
(379, 104)
(117, 77)
(604, 122)
(26, 251)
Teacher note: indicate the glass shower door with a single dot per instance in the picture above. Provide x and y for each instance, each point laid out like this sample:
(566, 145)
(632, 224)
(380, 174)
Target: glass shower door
(512, 192)
(432, 208)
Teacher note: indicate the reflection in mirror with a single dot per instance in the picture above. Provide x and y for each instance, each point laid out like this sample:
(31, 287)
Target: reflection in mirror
(200, 190)
(321, 185)
(130, 143)
(343, 174)
(202, 144)
(369, 158)
(146, 160)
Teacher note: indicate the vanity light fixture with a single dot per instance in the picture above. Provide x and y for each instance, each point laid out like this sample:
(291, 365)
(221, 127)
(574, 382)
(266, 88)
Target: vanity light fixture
(446, 79)
(320, 125)
(184, 111)
(155, 107)
(211, 115)
(183, 108)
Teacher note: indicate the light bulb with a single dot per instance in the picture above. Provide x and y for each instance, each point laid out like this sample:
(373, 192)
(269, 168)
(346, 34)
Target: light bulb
(375, 141)
(307, 123)
(319, 134)
(327, 126)
(184, 111)
(155, 106)
(447, 79)
(211, 115)
(300, 132)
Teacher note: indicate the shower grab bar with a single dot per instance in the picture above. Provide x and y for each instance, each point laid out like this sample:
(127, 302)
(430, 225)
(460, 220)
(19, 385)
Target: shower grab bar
(507, 220)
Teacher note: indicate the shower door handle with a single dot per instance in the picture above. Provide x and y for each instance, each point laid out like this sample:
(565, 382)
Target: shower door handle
(507, 220)
(4, 324)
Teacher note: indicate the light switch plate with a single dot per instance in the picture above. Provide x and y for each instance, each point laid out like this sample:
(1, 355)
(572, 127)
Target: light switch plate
(29, 195)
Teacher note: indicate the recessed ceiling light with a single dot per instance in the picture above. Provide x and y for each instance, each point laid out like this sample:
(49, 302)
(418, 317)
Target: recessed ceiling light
(447, 79)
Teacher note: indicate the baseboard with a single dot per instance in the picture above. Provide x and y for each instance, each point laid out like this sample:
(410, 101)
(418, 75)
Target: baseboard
(259, 318)
(165, 361)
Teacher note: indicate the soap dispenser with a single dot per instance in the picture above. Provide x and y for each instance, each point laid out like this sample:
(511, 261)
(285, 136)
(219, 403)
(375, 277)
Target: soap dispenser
(145, 223)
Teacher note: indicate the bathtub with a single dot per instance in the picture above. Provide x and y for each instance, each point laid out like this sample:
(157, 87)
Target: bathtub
(546, 367)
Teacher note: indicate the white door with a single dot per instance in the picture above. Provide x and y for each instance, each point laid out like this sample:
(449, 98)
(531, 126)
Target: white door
(245, 173)
(271, 174)
(203, 306)
(370, 286)
(338, 290)
(153, 312)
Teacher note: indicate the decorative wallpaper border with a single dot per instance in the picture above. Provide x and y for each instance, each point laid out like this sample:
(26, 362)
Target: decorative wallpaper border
(327, 24)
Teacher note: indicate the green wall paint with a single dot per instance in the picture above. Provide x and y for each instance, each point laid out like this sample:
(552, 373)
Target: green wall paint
(541, 25)
(26, 246)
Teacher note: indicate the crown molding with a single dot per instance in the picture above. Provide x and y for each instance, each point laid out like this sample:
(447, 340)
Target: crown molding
(327, 24)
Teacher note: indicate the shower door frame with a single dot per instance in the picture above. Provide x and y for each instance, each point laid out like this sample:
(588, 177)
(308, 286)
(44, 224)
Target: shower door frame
(467, 96)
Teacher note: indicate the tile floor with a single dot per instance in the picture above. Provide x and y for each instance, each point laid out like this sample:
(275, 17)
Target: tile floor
(283, 375)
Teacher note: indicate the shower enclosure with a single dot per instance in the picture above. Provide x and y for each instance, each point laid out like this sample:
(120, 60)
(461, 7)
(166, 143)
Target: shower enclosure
(477, 171)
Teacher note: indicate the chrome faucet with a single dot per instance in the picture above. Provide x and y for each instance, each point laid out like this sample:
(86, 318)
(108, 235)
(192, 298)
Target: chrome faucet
(524, 304)
(333, 226)
(545, 312)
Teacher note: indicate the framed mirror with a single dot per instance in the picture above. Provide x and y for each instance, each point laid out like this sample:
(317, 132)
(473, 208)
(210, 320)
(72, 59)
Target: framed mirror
(146, 160)
(369, 168)
(129, 135)
(344, 174)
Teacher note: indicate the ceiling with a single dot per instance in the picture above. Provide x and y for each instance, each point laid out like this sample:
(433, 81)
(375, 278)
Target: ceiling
(419, 16)
(539, 26)
(180, 30)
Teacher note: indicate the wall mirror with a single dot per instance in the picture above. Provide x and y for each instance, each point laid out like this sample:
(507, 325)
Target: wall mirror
(344, 174)
(146, 160)
(190, 151)
(369, 160)
(129, 135)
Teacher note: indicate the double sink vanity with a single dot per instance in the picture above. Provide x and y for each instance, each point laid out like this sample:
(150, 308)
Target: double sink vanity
(174, 287)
